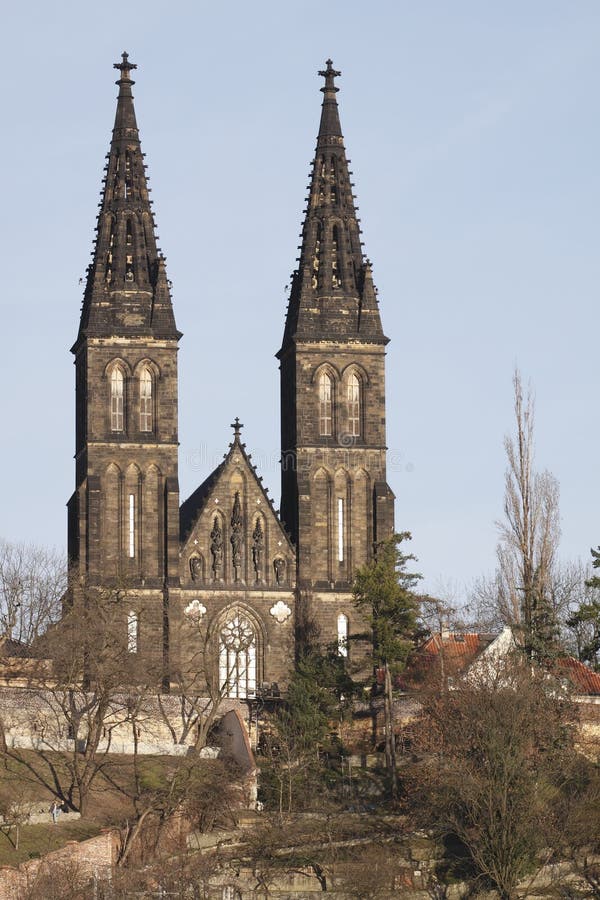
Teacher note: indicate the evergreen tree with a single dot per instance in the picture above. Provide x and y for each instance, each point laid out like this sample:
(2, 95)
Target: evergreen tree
(383, 592)
(294, 773)
(585, 622)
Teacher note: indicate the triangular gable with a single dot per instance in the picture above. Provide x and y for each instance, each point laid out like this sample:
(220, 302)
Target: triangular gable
(234, 491)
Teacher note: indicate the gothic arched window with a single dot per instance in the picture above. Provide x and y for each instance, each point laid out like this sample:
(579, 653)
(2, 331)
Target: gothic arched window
(342, 635)
(133, 627)
(237, 656)
(325, 404)
(146, 417)
(116, 399)
(353, 397)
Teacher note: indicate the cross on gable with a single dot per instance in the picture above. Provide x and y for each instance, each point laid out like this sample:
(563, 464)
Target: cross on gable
(237, 427)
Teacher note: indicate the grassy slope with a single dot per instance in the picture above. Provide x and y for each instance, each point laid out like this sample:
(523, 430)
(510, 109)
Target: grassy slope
(108, 806)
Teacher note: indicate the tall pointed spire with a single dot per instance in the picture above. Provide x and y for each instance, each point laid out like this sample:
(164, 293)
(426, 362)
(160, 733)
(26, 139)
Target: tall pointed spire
(332, 293)
(127, 292)
(330, 117)
(125, 122)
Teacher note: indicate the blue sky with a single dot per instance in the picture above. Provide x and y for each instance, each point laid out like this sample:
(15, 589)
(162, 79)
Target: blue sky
(473, 133)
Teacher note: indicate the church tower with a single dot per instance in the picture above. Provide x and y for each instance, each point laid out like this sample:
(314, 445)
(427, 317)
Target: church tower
(335, 499)
(124, 515)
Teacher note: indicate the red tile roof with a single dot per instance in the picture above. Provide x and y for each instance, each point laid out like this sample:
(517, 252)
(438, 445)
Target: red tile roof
(459, 651)
(455, 645)
(583, 679)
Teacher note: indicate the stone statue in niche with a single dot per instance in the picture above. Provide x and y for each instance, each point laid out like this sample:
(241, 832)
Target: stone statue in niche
(279, 566)
(258, 545)
(216, 548)
(196, 568)
(237, 536)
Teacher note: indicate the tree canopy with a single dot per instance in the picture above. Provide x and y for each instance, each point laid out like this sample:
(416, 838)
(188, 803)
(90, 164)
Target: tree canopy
(383, 591)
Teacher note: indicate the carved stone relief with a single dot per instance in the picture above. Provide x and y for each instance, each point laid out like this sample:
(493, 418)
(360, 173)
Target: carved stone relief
(279, 566)
(216, 549)
(196, 567)
(237, 536)
(258, 545)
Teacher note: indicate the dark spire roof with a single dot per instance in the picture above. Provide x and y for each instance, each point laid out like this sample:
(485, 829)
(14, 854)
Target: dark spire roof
(127, 292)
(330, 117)
(332, 294)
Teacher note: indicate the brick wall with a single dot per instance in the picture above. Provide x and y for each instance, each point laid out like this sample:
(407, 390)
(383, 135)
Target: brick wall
(75, 860)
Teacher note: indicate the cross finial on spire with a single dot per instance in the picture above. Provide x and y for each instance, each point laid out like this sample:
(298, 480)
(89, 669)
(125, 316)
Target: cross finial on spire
(237, 427)
(329, 74)
(124, 67)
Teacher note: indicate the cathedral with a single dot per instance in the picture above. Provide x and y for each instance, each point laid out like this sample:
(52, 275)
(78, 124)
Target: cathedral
(221, 585)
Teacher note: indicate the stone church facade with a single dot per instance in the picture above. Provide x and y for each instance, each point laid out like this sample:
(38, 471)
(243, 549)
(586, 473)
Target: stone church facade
(221, 586)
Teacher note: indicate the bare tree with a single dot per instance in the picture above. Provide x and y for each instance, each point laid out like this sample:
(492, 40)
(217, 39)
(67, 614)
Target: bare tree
(204, 793)
(521, 592)
(77, 697)
(496, 780)
(58, 880)
(567, 594)
(488, 607)
(581, 614)
(32, 584)
(197, 695)
(198, 686)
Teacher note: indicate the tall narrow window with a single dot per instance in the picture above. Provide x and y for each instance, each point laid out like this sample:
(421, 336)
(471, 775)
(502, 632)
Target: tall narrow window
(325, 404)
(145, 401)
(340, 530)
(116, 400)
(342, 634)
(127, 174)
(133, 625)
(131, 526)
(237, 657)
(317, 258)
(354, 405)
(336, 260)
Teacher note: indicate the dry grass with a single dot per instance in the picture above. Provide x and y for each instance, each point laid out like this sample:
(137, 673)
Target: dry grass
(37, 840)
(109, 803)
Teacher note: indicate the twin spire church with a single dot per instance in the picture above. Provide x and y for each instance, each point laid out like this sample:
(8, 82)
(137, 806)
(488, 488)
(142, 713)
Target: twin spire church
(222, 578)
